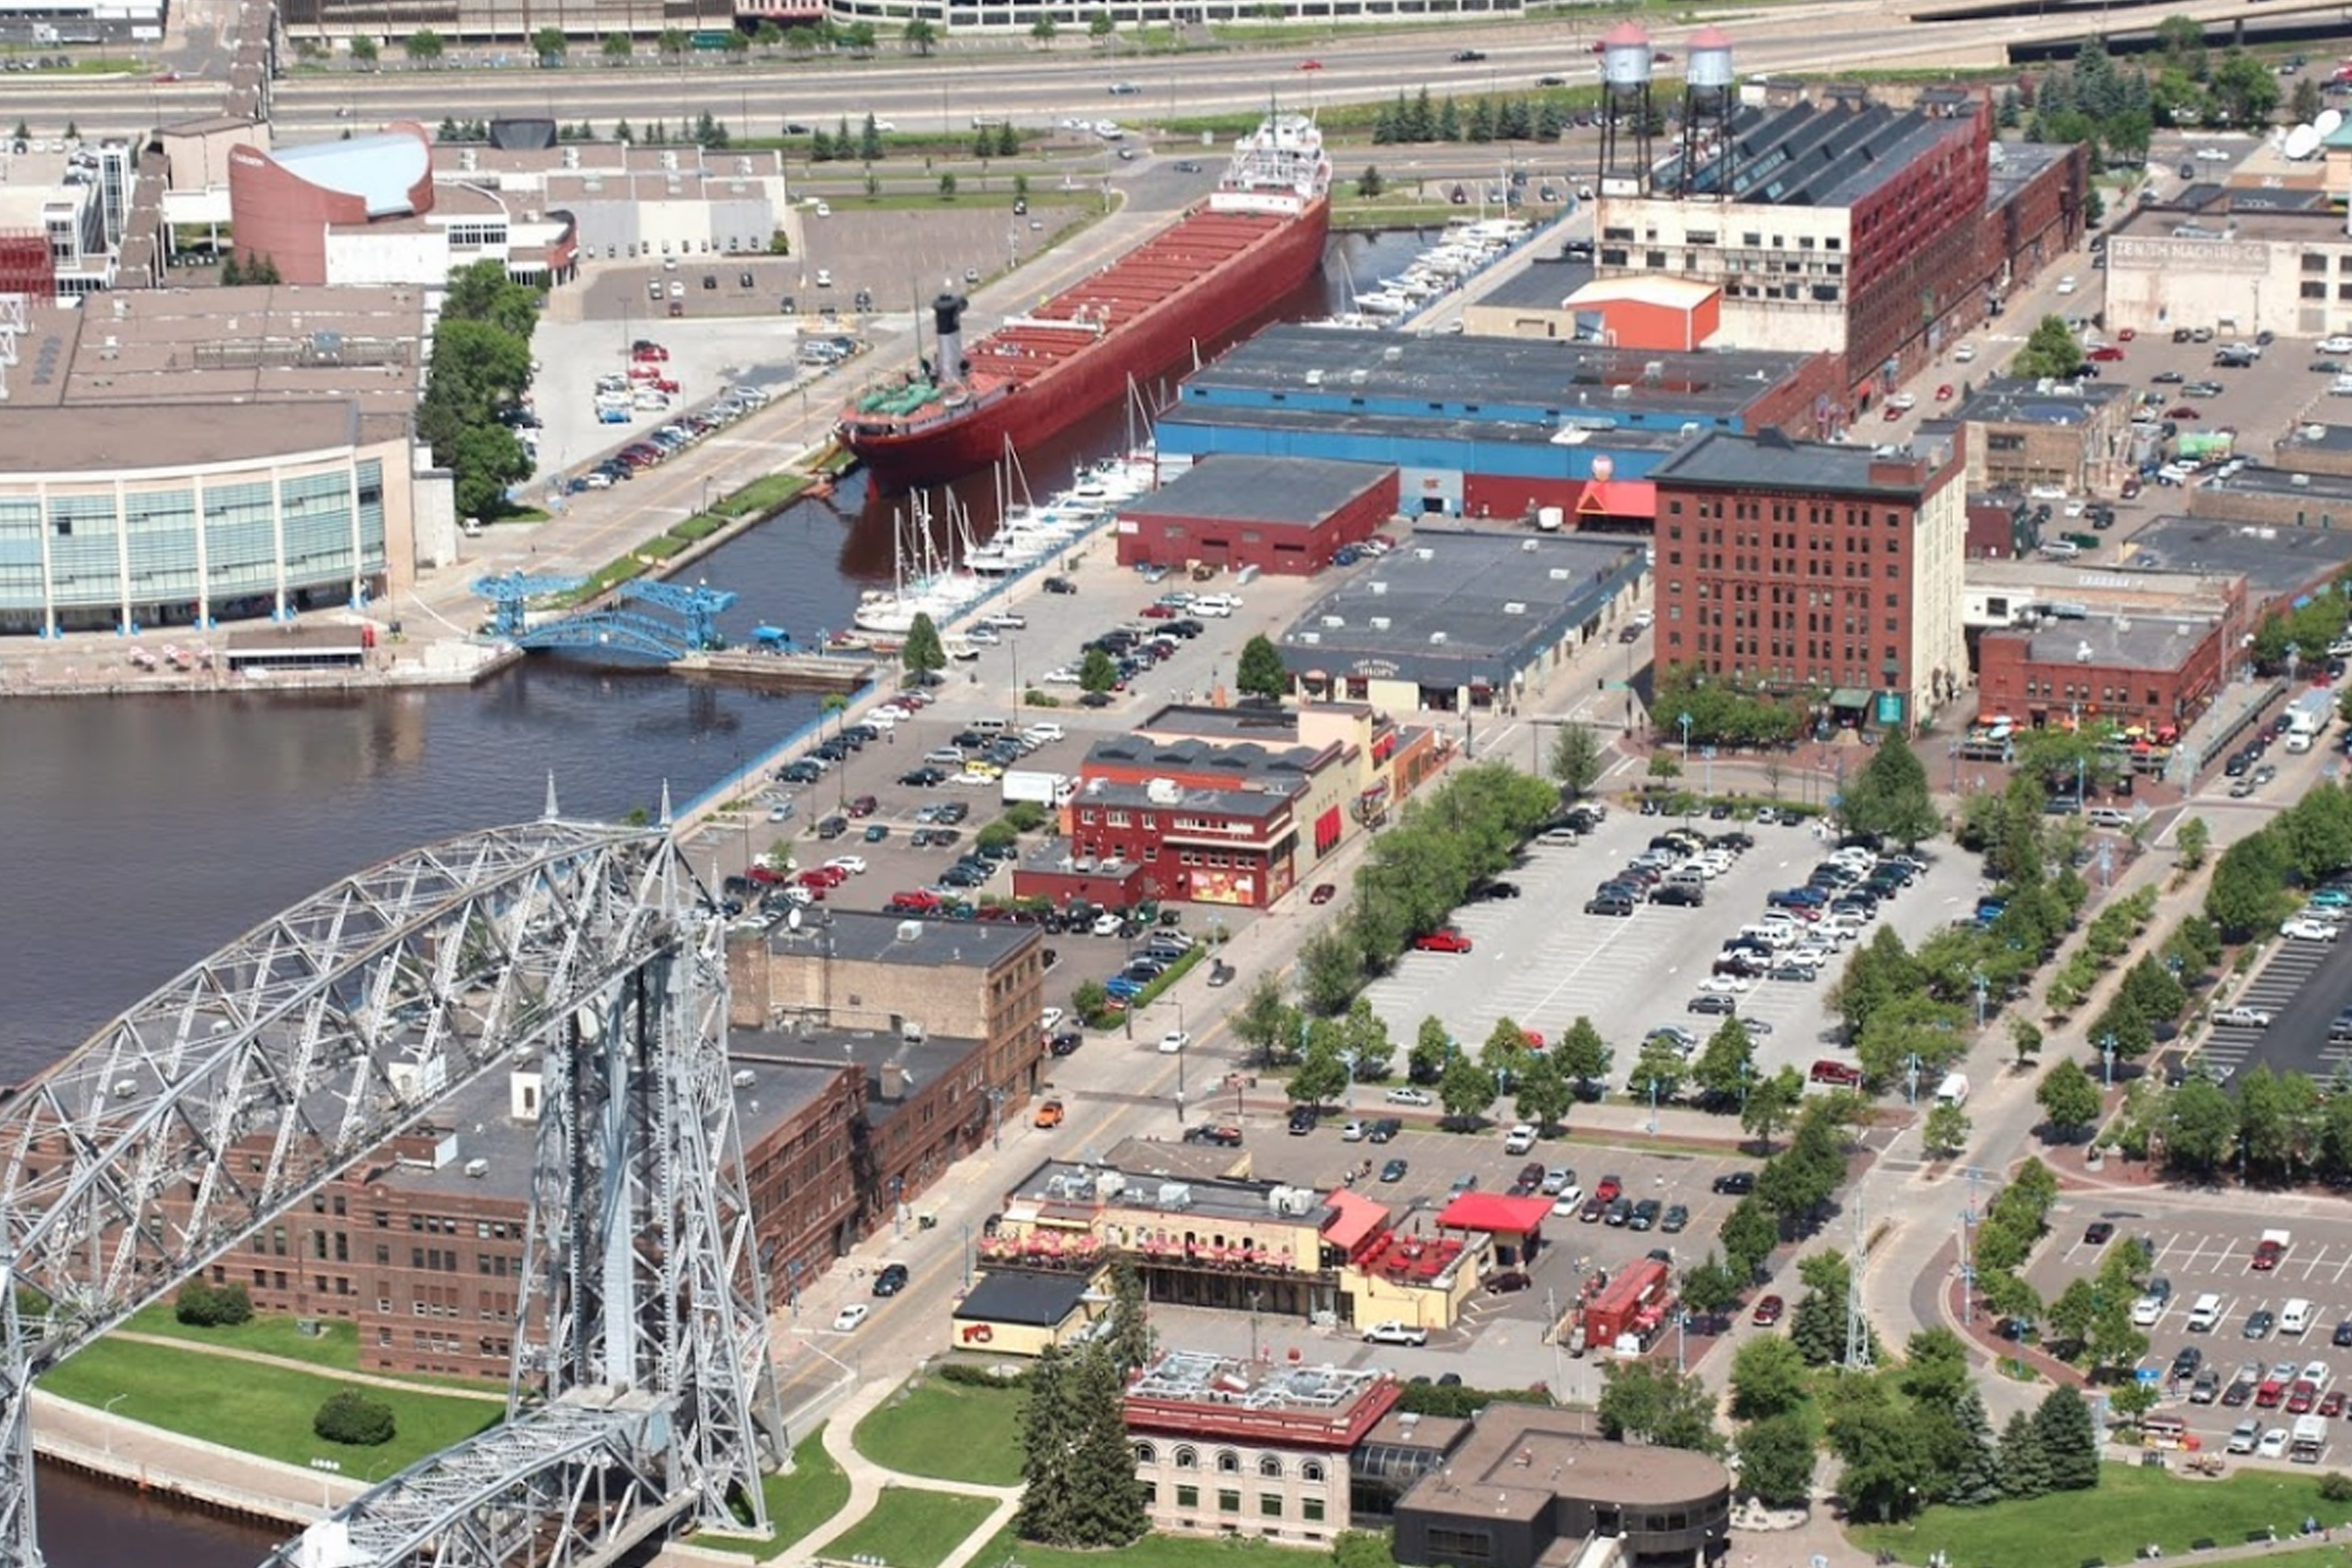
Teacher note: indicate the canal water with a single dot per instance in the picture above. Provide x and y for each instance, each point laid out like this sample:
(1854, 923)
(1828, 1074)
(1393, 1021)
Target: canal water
(145, 833)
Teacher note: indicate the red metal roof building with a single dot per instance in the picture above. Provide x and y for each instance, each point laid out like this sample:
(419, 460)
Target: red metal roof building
(1516, 1224)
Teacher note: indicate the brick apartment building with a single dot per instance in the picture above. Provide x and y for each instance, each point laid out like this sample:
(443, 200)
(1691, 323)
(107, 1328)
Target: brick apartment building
(422, 1245)
(1786, 566)
(2156, 672)
(881, 1061)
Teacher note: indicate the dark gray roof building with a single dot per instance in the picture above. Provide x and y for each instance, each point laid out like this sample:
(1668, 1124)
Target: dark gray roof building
(1015, 1296)
(1245, 488)
(875, 939)
(1809, 154)
(2018, 400)
(2277, 562)
(1462, 608)
(1768, 461)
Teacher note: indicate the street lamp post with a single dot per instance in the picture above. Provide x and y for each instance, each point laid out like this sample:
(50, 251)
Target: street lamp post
(106, 1428)
(898, 1206)
(1653, 1107)
(1348, 1095)
(967, 1255)
(1981, 989)
(2107, 1059)
(1183, 1042)
(792, 1283)
(1911, 1066)
(996, 1118)
(1968, 1272)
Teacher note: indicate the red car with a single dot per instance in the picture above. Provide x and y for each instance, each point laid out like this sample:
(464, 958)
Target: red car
(2333, 1406)
(1323, 894)
(1157, 613)
(1893, 413)
(765, 876)
(2127, 334)
(2183, 412)
(2267, 1256)
(2106, 354)
(1447, 939)
(1610, 1189)
(1837, 1074)
(2302, 1397)
(914, 903)
(1768, 1311)
(864, 805)
(1944, 392)
(646, 348)
(2267, 1396)
(1310, 65)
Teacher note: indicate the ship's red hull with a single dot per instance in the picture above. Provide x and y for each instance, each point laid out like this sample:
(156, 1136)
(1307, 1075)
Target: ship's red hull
(1036, 411)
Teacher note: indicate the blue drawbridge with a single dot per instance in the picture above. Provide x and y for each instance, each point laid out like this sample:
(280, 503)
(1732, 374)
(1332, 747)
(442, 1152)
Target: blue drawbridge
(611, 629)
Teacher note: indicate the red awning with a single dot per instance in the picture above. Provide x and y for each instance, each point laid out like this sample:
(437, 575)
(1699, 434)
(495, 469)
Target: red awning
(1495, 1213)
(1355, 1219)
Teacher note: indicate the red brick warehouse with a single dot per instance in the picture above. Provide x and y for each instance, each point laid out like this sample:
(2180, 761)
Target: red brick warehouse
(1288, 515)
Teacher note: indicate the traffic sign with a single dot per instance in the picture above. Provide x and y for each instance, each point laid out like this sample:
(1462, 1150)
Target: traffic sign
(2148, 1375)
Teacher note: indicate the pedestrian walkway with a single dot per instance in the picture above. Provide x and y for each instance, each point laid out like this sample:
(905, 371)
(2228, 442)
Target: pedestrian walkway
(452, 1388)
(867, 1479)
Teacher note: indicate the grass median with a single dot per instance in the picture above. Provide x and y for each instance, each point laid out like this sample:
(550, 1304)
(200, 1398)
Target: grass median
(797, 1503)
(947, 1432)
(911, 1527)
(1008, 1550)
(257, 1408)
(2130, 1509)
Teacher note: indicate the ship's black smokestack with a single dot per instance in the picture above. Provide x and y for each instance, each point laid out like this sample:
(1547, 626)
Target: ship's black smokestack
(947, 326)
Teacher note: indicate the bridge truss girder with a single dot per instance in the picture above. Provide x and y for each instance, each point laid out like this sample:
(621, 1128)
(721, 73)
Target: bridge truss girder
(232, 1093)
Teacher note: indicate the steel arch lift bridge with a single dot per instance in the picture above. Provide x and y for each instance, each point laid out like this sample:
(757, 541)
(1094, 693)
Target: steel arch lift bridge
(640, 1398)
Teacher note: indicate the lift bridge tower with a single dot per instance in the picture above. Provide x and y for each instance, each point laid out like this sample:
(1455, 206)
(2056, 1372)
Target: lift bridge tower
(641, 1396)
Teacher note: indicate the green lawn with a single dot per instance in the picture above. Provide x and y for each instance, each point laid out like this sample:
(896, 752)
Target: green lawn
(335, 1345)
(1167, 1551)
(946, 1431)
(762, 494)
(262, 1410)
(797, 1503)
(911, 1527)
(2130, 1508)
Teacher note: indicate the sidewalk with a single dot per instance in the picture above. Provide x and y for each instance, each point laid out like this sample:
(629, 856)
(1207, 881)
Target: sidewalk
(867, 1479)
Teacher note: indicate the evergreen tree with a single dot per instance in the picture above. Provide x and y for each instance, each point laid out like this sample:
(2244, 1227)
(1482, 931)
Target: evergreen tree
(1481, 125)
(923, 651)
(1973, 1467)
(1130, 1323)
(1817, 1329)
(820, 146)
(1514, 121)
(1008, 141)
(1550, 122)
(869, 141)
(1045, 1439)
(2011, 112)
(2069, 1439)
(1104, 1507)
(1449, 121)
(2024, 1467)
(1420, 125)
(1385, 122)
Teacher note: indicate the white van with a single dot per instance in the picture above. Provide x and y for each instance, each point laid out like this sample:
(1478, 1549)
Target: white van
(1953, 1090)
(2294, 1317)
(2205, 1314)
(988, 726)
(1520, 1140)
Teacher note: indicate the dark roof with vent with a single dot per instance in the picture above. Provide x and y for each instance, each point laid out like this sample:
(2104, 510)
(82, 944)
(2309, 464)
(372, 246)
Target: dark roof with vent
(1814, 155)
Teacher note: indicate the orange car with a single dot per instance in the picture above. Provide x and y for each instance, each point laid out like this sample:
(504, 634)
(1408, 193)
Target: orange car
(1048, 1115)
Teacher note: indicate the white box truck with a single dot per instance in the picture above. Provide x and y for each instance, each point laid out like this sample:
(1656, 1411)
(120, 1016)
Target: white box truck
(2307, 717)
(1045, 789)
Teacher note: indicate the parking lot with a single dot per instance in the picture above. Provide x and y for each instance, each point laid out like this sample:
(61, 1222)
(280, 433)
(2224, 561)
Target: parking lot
(2200, 1252)
(1540, 961)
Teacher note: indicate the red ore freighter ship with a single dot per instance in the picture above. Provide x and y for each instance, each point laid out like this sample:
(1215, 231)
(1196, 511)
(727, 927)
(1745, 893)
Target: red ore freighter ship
(1258, 235)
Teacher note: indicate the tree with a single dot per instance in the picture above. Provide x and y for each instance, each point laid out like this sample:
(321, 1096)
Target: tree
(869, 141)
(1770, 1104)
(2024, 1464)
(1726, 1062)
(1465, 1090)
(2247, 891)
(2200, 1127)
(1362, 1548)
(1042, 30)
(1320, 1078)
(1431, 1045)
(352, 1420)
(918, 36)
(204, 1306)
(2069, 1098)
(2024, 1037)
(1935, 1372)
(1096, 672)
(1576, 758)
(1945, 1131)
(1748, 1235)
(2069, 1439)
(1543, 1093)
(1364, 1034)
(425, 47)
(1888, 1463)
(1330, 968)
(1776, 1460)
(363, 51)
(1078, 1469)
(1129, 1342)
(1817, 1329)
(1710, 1288)
(1970, 1461)
(1665, 768)
(923, 652)
(550, 45)
(617, 48)
(1265, 1023)
(1656, 1403)
(1658, 1070)
(2303, 105)
(2051, 349)
(1890, 795)
(1099, 27)
(1260, 671)
(1581, 1054)
(1369, 185)
(1768, 1378)
(670, 43)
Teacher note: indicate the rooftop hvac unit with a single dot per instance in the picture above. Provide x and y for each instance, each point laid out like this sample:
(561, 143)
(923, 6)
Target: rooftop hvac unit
(669, 158)
(1515, 607)
(1163, 792)
(1653, 370)
(1358, 377)
(1621, 392)
(1110, 1185)
(1313, 378)
(1334, 621)
(1276, 1198)
(1380, 623)
(1392, 354)
(1379, 587)
(477, 1168)
(2082, 653)
(1437, 636)
(1423, 553)
(1558, 574)
(1175, 1195)
(1310, 639)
